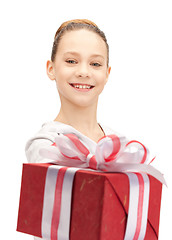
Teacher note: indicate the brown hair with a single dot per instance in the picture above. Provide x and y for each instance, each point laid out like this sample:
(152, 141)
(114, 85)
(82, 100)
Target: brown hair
(75, 25)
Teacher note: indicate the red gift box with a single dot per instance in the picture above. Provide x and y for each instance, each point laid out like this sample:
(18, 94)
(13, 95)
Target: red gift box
(99, 205)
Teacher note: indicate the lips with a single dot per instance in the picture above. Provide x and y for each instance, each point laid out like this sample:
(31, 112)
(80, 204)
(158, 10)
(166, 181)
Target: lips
(81, 86)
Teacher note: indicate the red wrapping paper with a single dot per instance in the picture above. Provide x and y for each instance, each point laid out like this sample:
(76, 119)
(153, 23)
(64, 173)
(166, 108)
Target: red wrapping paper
(99, 204)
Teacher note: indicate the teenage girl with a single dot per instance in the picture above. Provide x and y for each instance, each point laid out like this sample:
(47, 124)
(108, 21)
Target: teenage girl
(80, 67)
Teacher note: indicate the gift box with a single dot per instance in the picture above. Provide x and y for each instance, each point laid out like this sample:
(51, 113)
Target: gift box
(99, 205)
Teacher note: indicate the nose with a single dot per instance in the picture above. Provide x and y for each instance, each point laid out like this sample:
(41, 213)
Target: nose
(83, 71)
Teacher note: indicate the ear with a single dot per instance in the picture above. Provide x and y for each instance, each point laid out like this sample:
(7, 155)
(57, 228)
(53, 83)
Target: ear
(108, 72)
(50, 70)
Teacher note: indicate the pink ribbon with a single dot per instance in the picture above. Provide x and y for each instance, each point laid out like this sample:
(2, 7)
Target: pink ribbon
(112, 154)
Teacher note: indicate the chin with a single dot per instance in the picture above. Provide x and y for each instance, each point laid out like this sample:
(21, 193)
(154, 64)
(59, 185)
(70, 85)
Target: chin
(79, 101)
(83, 104)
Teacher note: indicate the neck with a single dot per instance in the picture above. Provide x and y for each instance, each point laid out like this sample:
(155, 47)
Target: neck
(84, 119)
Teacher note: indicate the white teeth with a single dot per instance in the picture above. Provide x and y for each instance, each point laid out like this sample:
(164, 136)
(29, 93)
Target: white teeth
(82, 86)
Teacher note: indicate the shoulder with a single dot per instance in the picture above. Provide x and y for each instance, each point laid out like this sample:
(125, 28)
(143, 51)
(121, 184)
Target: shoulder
(48, 133)
(51, 129)
(44, 137)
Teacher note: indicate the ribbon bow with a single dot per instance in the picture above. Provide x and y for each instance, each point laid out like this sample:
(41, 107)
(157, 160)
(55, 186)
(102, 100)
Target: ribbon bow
(112, 154)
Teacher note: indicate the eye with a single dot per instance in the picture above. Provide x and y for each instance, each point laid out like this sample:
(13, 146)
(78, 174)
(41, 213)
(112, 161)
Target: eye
(71, 61)
(96, 64)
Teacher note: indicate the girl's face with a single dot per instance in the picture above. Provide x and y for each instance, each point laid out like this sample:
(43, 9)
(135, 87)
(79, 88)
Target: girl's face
(80, 67)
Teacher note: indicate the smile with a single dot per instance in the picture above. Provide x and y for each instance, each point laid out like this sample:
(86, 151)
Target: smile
(80, 86)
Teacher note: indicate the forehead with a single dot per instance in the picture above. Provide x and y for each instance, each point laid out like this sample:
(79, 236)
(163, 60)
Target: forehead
(82, 41)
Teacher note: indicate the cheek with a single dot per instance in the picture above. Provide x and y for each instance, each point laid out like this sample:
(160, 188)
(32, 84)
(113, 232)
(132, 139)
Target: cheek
(64, 74)
(101, 78)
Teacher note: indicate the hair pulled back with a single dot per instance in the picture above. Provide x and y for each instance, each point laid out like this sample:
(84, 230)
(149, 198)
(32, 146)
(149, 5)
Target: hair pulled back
(77, 24)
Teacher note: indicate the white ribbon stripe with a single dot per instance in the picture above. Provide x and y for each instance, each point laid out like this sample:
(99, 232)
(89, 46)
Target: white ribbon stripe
(138, 207)
(49, 201)
(49, 192)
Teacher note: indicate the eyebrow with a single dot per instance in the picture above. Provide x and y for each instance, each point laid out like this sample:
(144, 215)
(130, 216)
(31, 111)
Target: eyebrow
(77, 54)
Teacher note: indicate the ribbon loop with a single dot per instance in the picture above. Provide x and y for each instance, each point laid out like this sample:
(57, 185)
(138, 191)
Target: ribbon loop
(112, 154)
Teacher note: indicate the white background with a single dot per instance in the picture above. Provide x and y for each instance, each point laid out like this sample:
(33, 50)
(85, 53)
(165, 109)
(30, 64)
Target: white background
(136, 101)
